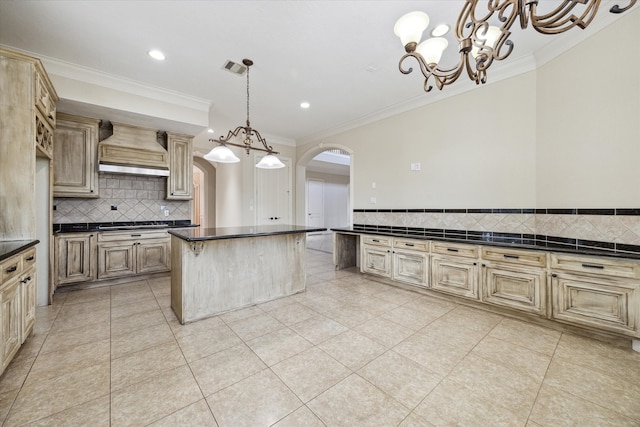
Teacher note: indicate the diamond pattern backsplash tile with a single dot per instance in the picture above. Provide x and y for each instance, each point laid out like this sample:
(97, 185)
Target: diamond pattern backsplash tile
(605, 228)
(138, 198)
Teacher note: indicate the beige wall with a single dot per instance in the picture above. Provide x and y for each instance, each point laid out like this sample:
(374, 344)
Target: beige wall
(588, 122)
(565, 135)
(476, 150)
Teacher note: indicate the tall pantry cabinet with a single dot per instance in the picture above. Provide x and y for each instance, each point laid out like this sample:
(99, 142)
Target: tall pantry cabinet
(27, 121)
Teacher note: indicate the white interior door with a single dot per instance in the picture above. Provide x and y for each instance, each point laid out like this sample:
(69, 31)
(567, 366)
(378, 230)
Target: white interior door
(315, 203)
(273, 194)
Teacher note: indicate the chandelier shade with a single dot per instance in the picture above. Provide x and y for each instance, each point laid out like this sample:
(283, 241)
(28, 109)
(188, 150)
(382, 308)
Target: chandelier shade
(222, 154)
(270, 162)
(245, 134)
(483, 30)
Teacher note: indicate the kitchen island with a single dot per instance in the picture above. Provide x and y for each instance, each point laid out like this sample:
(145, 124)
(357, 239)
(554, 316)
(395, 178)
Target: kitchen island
(214, 270)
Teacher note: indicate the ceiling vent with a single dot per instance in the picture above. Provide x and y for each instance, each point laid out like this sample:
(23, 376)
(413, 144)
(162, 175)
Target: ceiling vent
(235, 68)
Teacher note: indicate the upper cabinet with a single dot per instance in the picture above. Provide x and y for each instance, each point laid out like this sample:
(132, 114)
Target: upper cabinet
(27, 101)
(75, 172)
(180, 181)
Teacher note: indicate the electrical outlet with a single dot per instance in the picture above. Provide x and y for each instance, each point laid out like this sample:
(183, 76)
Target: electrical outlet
(373, 200)
(162, 207)
(373, 185)
(415, 166)
(166, 212)
(114, 208)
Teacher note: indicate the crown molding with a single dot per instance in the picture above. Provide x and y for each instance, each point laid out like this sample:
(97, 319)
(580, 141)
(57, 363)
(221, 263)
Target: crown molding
(499, 71)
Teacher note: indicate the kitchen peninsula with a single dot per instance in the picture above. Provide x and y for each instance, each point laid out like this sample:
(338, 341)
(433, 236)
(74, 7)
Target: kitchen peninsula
(214, 270)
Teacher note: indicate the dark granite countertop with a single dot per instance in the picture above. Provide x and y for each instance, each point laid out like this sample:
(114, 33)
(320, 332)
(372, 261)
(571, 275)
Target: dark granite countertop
(528, 242)
(12, 247)
(200, 234)
(83, 227)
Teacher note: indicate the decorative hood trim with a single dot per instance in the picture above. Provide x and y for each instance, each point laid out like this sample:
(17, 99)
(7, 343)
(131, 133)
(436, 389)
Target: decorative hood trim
(133, 150)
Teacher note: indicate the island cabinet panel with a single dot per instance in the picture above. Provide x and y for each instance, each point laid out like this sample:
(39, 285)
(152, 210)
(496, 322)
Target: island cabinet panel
(214, 276)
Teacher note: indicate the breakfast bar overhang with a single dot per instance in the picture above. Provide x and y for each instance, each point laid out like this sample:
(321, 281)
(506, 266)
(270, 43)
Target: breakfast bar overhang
(215, 270)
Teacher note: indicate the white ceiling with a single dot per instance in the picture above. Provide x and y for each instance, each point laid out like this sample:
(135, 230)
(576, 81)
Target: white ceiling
(341, 56)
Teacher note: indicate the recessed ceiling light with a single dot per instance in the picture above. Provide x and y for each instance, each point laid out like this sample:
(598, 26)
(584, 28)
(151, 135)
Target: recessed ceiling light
(156, 54)
(305, 105)
(210, 130)
(440, 30)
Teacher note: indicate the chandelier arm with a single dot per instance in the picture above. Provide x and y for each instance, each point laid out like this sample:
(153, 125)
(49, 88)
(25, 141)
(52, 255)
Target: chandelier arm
(562, 18)
(617, 9)
(266, 150)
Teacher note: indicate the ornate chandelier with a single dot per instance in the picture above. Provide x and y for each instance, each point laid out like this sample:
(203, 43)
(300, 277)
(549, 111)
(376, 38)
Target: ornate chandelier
(223, 154)
(480, 43)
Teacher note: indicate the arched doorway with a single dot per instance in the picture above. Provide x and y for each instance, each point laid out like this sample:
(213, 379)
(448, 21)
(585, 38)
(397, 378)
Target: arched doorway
(204, 197)
(324, 176)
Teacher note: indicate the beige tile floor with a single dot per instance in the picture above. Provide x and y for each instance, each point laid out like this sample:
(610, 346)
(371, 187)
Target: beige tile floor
(348, 352)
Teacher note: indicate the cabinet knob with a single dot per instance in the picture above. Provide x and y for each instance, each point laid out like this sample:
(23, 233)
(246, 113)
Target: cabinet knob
(554, 275)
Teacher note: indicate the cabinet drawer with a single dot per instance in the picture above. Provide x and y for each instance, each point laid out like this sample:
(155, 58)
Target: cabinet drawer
(29, 258)
(596, 265)
(514, 256)
(11, 268)
(609, 304)
(376, 240)
(414, 245)
(132, 235)
(454, 249)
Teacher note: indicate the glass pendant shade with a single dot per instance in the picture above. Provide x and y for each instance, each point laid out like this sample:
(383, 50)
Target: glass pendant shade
(410, 27)
(489, 39)
(432, 49)
(222, 154)
(270, 162)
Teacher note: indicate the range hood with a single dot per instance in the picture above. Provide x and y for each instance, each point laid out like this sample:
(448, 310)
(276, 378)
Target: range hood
(133, 150)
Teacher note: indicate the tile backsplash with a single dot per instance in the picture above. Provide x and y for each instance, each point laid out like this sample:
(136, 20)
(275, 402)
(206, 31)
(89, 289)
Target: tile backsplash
(137, 198)
(617, 228)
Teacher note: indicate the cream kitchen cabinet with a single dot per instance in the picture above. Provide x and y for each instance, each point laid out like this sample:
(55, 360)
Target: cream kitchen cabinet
(123, 254)
(402, 260)
(180, 180)
(17, 303)
(515, 279)
(598, 292)
(75, 258)
(376, 255)
(75, 172)
(454, 269)
(410, 262)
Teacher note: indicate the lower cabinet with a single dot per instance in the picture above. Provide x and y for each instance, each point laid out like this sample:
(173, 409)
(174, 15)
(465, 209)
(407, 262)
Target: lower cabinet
(402, 260)
(515, 279)
(596, 293)
(126, 254)
(17, 303)
(605, 303)
(376, 256)
(11, 321)
(411, 268)
(456, 276)
(75, 259)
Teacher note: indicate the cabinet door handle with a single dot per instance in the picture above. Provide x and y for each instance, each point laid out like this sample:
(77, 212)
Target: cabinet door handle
(598, 267)
(376, 240)
(409, 244)
(512, 256)
(136, 235)
(31, 258)
(26, 279)
(452, 250)
(12, 269)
